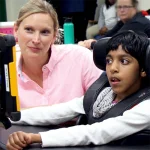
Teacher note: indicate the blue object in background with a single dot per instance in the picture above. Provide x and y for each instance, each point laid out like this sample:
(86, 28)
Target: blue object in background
(71, 6)
(68, 31)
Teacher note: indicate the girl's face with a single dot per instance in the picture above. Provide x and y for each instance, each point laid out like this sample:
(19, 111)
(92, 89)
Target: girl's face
(35, 36)
(123, 72)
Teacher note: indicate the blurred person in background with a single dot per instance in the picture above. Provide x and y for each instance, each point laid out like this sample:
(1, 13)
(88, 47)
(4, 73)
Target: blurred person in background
(107, 20)
(130, 19)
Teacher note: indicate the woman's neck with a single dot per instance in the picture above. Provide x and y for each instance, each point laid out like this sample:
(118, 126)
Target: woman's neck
(33, 69)
(34, 65)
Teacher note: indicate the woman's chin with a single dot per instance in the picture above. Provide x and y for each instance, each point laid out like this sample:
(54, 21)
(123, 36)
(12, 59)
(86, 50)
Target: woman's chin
(33, 54)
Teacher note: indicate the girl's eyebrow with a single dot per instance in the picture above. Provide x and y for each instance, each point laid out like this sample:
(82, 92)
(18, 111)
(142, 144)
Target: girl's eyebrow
(121, 55)
(108, 55)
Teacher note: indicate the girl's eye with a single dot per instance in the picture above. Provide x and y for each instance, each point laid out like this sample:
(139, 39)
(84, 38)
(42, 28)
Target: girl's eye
(108, 61)
(124, 61)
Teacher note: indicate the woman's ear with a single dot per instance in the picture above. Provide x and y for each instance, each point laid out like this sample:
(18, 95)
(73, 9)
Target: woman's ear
(55, 36)
(15, 30)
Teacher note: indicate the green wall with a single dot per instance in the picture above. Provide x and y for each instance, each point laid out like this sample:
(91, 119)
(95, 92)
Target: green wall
(3, 15)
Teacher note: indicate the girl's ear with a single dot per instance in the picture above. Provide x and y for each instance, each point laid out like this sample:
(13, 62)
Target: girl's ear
(15, 30)
(143, 73)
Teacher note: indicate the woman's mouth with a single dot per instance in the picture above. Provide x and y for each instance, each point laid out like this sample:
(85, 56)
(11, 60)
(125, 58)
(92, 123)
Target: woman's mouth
(34, 49)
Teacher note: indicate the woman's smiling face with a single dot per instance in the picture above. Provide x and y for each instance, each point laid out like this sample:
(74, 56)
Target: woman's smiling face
(35, 35)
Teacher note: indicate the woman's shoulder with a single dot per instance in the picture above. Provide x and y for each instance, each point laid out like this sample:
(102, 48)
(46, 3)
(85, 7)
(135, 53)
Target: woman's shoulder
(72, 49)
(73, 52)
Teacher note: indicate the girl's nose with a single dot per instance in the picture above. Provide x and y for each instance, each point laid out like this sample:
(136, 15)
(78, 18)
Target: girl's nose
(114, 67)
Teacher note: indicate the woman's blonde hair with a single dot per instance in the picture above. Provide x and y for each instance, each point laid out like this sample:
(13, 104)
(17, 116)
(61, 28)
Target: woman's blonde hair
(38, 6)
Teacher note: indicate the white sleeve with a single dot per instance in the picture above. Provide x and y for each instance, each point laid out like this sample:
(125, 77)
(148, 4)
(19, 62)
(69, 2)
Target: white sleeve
(112, 20)
(132, 121)
(101, 20)
(52, 115)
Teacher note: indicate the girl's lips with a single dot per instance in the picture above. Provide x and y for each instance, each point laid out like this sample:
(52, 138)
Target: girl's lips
(114, 81)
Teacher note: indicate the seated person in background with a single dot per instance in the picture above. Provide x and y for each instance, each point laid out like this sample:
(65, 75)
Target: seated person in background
(49, 73)
(148, 11)
(125, 65)
(90, 10)
(130, 19)
(107, 20)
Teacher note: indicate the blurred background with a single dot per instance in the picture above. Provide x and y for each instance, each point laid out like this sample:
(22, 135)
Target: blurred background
(81, 11)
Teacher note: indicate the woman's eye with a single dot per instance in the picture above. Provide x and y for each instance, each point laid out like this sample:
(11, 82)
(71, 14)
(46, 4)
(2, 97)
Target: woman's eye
(124, 61)
(45, 32)
(108, 61)
(28, 29)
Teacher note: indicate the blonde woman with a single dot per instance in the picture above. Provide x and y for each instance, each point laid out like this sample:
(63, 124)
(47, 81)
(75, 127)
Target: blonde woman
(49, 74)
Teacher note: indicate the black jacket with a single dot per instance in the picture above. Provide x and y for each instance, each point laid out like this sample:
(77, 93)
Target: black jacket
(138, 23)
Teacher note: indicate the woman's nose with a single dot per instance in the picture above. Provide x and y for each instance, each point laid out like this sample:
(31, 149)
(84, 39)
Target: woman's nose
(36, 38)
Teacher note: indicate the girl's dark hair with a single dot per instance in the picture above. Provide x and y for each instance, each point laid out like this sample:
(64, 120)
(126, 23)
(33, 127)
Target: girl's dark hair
(133, 43)
(108, 4)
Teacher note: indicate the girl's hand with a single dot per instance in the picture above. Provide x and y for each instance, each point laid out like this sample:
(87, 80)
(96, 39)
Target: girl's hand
(19, 140)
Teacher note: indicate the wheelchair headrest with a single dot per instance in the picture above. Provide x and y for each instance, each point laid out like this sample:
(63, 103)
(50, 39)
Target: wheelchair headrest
(99, 55)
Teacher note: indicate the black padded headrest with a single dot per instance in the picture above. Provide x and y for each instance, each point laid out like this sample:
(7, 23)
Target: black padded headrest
(147, 61)
(99, 55)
